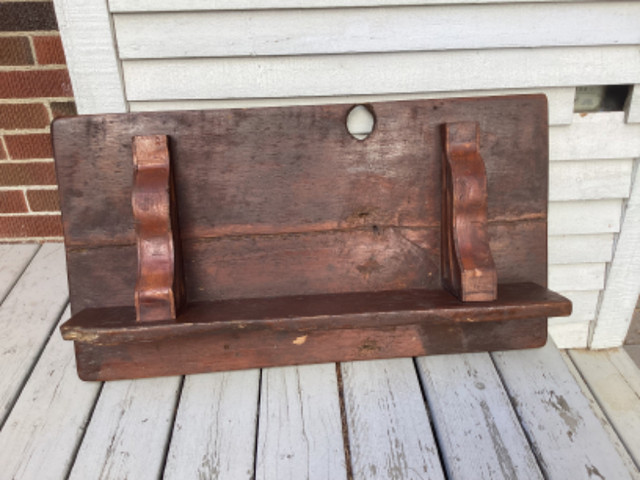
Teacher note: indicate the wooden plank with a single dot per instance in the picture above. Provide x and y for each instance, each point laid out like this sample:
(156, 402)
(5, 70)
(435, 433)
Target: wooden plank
(387, 29)
(14, 259)
(566, 435)
(614, 379)
(560, 101)
(40, 437)
(300, 428)
(28, 318)
(577, 276)
(570, 335)
(623, 278)
(129, 430)
(91, 56)
(585, 305)
(600, 135)
(590, 179)
(387, 421)
(169, 5)
(478, 432)
(404, 72)
(215, 427)
(580, 248)
(585, 217)
(633, 105)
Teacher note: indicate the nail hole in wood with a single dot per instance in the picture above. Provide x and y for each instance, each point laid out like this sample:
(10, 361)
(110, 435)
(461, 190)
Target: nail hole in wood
(360, 122)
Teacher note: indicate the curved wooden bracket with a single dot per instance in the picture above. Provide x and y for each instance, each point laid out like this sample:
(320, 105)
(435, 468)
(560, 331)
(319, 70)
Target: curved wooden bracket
(468, 270)
(159, 287)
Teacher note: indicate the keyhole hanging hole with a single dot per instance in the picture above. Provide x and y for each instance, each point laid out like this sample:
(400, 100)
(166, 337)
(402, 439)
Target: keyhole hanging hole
(360, 122)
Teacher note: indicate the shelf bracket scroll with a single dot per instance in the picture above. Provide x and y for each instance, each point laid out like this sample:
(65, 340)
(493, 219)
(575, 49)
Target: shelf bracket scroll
(468, 270)
(159, 290)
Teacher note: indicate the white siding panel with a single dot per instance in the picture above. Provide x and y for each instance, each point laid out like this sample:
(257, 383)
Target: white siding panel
(391, 29)
(595, 136)
(172, 5)
(570, 335)
(633, 107)
(585, 217)
(580, 276)
(580, 248)
(585, 305)
(589, 179)
(405, 72)
(560, 101)
(623, 279)
(85, 28)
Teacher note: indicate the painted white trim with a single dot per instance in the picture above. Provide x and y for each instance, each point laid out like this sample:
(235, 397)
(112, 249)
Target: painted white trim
(633, 105)
(623, 277)
(94, 68)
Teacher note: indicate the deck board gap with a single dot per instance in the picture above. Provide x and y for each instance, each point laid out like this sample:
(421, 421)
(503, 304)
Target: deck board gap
(19, 276)
(434, 431)
(74, 455)
(343, 421)
(171, 429)
(257, 430)
(27, 376)
(536, 454)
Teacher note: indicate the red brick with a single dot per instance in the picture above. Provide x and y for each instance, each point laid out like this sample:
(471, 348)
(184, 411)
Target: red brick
(27, 173)
(49, 50)
(21, 226)
(3, 154)
(35, 84)
(12, 202)
(33, 145)
(23, 115)
(43, 200)
(15, 51)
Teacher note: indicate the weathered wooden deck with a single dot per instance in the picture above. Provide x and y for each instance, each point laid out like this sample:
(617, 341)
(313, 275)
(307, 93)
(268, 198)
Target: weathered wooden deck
(523, 414)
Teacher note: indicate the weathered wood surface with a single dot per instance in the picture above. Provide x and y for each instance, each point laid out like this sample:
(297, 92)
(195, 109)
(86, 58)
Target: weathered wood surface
(28, 315)
(214, 433)
(299, 427)
(463, 390)
(159, 287)
(322, 31)
(387, 422)
(567, 437)
(467, 267)
(40, 437)
(14, 259)
(614, 379)
(129, 430)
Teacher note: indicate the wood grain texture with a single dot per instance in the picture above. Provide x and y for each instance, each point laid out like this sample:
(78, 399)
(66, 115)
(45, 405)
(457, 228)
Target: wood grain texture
(560, 99)
(359, 74)
(159, 289)
(168, 5)
(623, 277)
(214, 433)
(467, 266)
(300, 429)
(14, 259)
(614, 379)
(40, 437)
(479, 435)
(28, 320)
(566, 435)
(91, 56)
(129, 430)
(387, 421)
(322, 31)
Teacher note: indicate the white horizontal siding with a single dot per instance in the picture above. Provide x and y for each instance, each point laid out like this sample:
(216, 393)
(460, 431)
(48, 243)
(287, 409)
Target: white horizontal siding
(369, 73)
(560, 101)
(577, 277)
(585, 305)
(390, 29)
(584, 217)
(590, 179)
(570, 335)
(172, 5)
(565, 249)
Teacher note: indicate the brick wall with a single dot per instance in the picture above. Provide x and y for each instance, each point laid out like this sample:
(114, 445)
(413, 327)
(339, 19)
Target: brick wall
(34, 89)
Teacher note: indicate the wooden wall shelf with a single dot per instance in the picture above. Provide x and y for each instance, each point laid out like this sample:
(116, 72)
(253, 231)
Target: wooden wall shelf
(228, 239)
